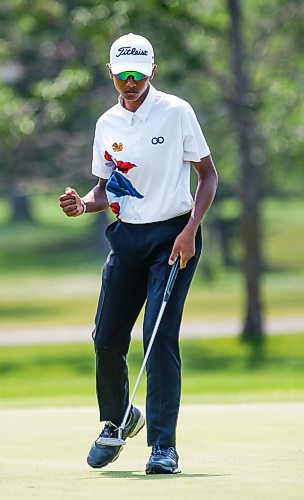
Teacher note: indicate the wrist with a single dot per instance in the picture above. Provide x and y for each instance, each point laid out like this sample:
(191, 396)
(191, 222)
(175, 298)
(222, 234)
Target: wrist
(192, 226)
(84, 206)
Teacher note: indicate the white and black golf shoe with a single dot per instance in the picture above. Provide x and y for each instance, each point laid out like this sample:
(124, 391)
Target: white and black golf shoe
(100, 454)
(163, 461)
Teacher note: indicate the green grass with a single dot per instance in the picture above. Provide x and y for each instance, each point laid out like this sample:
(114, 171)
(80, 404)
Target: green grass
(51, 243)
(29, 249)
(213, 370)
(67, 299)
(226, 452)
(283, 234)
(38, 246)
(50, 269)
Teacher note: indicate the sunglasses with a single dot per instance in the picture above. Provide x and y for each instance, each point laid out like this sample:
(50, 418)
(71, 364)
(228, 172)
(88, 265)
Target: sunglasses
(124, 75)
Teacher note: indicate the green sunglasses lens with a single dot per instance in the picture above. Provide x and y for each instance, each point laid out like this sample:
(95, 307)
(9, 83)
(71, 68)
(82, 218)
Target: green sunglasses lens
(135, 74)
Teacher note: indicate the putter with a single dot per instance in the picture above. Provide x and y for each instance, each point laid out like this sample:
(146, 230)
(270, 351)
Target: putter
(119, 441)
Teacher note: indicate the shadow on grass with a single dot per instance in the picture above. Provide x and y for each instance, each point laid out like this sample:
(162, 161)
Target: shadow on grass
(141, 475)
(199, 357)
(256, 356)
(26, 310)
(46, 246)
(231, 355)
(77, 359)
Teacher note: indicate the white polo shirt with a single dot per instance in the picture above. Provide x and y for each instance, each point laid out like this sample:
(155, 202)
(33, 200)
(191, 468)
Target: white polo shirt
(146, 157)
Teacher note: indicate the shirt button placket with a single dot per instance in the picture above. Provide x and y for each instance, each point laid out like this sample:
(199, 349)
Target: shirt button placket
(137, 151)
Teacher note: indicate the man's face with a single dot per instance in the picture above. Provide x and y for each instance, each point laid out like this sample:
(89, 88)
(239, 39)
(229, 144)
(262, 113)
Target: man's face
(130, 89)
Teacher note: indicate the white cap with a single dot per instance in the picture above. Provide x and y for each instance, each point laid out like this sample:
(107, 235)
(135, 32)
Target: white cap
(132, 53)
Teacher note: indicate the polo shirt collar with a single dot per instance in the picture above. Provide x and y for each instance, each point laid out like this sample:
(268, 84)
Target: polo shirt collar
(143, 111)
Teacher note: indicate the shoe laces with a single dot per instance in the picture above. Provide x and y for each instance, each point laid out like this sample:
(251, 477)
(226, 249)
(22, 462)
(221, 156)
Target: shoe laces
(108, 430)
(169, 452)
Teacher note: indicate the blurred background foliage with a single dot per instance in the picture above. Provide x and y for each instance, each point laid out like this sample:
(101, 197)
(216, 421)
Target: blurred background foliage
(54, 81)
(54, 86)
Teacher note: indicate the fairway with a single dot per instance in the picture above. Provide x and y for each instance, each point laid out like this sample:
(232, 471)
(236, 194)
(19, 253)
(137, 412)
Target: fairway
(232, 451)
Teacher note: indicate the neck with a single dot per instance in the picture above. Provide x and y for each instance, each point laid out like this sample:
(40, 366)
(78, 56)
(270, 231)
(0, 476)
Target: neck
(134, 105)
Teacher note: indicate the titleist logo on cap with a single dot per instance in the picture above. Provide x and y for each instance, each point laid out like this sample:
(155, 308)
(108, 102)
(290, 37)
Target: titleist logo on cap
(128, 51)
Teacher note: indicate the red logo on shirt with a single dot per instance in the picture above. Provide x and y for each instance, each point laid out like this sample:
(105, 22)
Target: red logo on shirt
(115, 207)
(107, 156)
(122, 166)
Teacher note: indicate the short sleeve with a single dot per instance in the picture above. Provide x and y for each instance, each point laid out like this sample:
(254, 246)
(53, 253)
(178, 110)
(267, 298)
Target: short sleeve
(194, 142)
(99, 168)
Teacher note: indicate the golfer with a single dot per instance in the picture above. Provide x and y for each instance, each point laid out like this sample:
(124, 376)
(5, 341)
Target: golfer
(143, 151)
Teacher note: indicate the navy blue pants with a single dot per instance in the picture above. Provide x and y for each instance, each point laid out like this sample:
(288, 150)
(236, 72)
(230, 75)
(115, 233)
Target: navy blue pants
(136, 272)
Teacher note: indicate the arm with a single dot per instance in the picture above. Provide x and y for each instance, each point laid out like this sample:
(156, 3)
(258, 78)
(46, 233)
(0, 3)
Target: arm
(184, 244)
(96, 200)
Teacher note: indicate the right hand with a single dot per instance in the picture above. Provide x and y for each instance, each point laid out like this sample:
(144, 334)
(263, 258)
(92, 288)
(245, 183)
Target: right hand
(70, 203)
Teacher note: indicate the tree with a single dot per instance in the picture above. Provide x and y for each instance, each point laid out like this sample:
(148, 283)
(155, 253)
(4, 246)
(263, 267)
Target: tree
(240, 68)
(244, 120)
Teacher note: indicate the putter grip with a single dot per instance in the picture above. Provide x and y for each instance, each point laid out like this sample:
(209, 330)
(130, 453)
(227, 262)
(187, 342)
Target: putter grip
(171, 279)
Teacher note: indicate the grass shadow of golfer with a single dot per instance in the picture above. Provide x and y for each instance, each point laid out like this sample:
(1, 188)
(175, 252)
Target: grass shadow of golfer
(140, 475)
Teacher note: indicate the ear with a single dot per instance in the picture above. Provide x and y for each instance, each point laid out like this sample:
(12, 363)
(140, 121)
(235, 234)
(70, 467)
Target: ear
(109, 70)
(153, 71)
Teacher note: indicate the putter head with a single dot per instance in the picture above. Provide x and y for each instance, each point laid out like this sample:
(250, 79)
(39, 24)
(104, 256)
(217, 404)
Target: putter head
(111, 441)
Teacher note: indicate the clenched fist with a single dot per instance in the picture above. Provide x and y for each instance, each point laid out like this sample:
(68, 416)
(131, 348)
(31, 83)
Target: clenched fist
(71, 203)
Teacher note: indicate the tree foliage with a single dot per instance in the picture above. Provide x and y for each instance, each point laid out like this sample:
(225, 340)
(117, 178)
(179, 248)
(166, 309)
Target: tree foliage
(239, 63)
(54, 83)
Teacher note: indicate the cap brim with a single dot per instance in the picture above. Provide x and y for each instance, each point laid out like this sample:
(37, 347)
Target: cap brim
(145, 69)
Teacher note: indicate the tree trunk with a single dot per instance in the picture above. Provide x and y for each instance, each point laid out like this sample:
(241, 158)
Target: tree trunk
(249, 192)
(20, 206)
